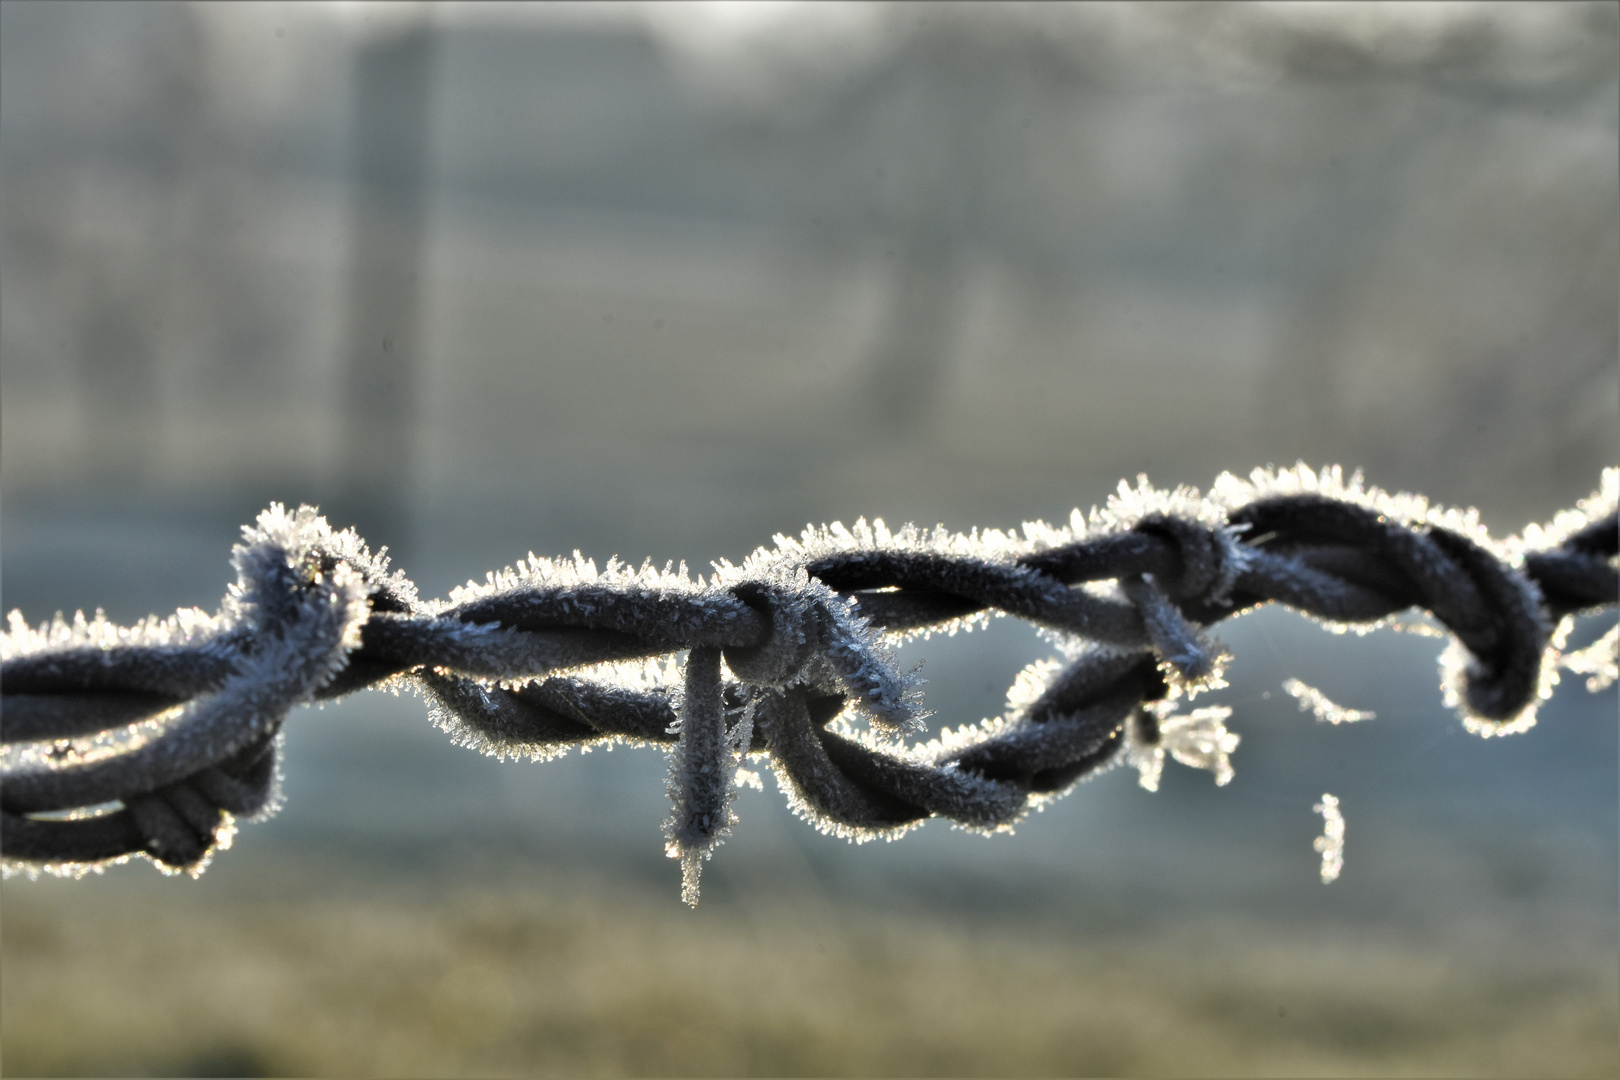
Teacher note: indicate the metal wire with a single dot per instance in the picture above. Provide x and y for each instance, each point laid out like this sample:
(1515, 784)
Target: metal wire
(152, 739)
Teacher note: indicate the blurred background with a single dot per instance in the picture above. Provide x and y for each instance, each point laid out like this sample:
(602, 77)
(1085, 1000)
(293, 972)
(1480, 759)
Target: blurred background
(661, 280)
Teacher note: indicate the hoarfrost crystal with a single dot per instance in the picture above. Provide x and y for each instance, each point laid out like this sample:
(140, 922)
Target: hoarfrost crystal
(1331, 842)
(1599, 661)
(1198, 739)
(1312, 700)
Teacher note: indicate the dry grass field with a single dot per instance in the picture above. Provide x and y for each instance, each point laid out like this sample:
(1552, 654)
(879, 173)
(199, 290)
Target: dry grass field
(137, 977)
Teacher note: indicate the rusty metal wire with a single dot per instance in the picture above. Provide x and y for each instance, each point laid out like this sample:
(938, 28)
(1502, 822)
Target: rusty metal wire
(152, 739)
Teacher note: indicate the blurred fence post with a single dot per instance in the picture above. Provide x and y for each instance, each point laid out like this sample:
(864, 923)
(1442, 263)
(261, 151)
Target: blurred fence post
(126, 299)
(393, 97)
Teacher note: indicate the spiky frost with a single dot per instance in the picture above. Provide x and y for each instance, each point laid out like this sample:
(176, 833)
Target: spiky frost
(1566, 523)
(820, 637)
(1230, 493)
(567, 572)
(294, 613)
(187, 628)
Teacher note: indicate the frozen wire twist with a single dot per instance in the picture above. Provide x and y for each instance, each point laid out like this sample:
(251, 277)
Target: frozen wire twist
(152, 739)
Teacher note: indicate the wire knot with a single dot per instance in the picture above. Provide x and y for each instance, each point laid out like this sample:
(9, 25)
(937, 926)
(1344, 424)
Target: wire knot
(1208, 561)
(794, 640)
(286, 627)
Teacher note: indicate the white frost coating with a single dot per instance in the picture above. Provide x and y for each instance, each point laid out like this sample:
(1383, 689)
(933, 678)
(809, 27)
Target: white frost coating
(300, 535)
(1198, 739)
(804, 810)
(1030, 683)
(1455, 661)
(817, 542)
(639, 676)
(733, 761)
(73, 871)
(1230, 493)
(1040, 536)
(539, 572)
(1595, 507)
(865, 657)
(1212, 679)
(1331, 842)
(186, 627)
(950, 742)
(1312, 700)
(1122, 512)
(1599, 661)
(301, 641)
(632, 676)
(855, 653)
(85, 749)
(1027, 687)
(842, 644)
(1415, 622)
(1129, 505)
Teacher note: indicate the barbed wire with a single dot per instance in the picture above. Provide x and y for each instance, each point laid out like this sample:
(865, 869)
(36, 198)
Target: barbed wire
(152, 739)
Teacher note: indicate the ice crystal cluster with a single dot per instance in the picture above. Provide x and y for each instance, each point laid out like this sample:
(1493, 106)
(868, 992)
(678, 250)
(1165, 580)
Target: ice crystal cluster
(1331, 842)
(1313, 701)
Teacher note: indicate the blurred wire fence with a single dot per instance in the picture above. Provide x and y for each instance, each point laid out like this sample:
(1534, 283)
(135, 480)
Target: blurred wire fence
(287, 246)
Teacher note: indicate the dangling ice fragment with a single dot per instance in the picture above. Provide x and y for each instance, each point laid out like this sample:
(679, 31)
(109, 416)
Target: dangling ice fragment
(1331, 842)
(1198, 739)
(1143, 750)
(1312, 700)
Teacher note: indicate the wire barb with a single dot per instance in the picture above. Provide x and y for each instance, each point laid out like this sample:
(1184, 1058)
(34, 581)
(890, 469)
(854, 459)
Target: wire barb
(153, 739)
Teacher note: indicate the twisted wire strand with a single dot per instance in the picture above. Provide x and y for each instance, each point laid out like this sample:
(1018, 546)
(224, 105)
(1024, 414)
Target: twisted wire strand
(152, 739)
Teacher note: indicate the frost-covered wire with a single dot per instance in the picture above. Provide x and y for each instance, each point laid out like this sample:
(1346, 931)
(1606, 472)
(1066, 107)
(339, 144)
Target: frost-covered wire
(152, 739)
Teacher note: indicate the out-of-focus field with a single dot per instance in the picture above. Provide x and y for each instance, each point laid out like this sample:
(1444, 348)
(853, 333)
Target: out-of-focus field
(575, 977)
